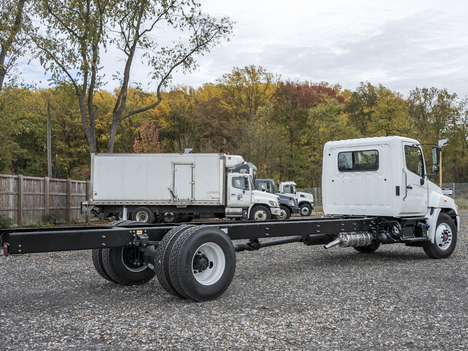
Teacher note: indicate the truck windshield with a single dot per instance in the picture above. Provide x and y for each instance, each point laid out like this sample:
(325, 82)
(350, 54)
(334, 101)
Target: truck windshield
(273, 188)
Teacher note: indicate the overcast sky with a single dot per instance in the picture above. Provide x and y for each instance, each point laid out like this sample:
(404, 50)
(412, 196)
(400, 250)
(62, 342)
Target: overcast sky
(401, 44)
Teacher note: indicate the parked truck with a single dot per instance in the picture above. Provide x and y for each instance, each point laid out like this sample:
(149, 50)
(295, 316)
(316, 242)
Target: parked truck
(167, 187)
(288, 204)
(376, 191)
(305, 201)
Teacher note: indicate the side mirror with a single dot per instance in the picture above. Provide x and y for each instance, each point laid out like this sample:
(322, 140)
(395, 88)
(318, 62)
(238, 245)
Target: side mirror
(435, 156)
(435, 169)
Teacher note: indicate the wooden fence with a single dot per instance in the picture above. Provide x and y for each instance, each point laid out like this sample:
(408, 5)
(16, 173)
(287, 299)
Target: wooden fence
(29, 199)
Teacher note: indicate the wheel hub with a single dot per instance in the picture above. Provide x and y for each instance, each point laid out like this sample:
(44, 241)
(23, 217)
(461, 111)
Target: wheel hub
(201, 262)
(445, 237)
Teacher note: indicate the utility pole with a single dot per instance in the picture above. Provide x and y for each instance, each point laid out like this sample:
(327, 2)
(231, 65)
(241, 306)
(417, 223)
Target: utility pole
(49, 144)
(442, 143)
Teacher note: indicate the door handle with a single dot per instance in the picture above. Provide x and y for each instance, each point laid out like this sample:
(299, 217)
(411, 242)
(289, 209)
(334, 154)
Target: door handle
(409, 187)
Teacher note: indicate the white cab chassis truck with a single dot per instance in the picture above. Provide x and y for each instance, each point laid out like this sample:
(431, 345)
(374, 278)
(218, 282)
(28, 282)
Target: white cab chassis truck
(375, 192)
(305, 201)
(386, 177)
(171, 187)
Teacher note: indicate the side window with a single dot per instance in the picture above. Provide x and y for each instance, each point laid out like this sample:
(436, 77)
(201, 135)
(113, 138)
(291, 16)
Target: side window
(287, 189)
(358, 161)
(240, 183)
(414, 160)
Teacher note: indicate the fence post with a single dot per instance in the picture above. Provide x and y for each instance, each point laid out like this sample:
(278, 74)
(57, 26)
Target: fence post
(46, 195)
(20, 201)
(69, 190)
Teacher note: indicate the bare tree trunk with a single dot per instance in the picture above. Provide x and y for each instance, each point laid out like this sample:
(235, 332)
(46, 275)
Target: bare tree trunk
(11, 37)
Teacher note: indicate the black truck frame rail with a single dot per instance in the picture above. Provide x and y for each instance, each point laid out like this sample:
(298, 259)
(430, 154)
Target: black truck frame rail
(197, 260)
(130, 233)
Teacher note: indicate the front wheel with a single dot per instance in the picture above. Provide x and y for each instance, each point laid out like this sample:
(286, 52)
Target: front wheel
(260, 213)
(305, 209)
(445, 238)
(285, 213)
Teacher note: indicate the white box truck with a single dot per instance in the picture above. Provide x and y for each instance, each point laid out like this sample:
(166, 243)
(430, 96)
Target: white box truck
(167, 187)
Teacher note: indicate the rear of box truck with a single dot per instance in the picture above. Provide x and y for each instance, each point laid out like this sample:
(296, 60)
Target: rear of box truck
(153, 179)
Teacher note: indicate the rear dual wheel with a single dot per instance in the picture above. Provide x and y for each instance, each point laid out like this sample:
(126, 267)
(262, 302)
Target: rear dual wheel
(196, 263)
(143, 214)
(122, 265)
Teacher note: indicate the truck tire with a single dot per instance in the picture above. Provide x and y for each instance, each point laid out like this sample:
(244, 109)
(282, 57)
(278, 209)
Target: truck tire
(445, 238)
(305, 209)
(260, 213)
(285, 213)
(125, 266)
(202, 263)
(143, 214)
(369, 248)
(96, 255)
(169, 217)
(161, 262)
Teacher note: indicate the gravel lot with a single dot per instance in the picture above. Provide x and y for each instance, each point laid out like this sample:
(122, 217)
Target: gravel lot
(290, 297)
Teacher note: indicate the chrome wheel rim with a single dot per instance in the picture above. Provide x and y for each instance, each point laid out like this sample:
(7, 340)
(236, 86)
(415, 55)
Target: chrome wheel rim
(443, 236)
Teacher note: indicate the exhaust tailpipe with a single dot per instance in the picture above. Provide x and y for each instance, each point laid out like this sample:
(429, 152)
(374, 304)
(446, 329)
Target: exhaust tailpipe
(351, 240)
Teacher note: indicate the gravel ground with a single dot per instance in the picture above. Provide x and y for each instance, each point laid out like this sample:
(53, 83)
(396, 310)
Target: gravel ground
(290, 297)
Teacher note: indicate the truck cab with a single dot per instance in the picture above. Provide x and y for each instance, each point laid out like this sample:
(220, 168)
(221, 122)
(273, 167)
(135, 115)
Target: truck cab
(305, 201)
(385, 177)
(243, 194)
(288, 204)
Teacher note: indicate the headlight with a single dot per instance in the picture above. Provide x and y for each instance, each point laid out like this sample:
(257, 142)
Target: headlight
(292, 203)
(273, 203)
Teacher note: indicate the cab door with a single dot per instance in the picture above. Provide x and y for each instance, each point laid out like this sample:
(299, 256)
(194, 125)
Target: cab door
(239, 192)
(415, 193)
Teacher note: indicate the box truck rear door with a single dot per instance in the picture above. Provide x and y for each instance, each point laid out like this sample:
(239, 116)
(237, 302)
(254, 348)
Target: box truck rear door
(183, 182)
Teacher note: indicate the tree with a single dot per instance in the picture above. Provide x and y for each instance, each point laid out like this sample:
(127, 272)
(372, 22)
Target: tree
(14, 25)
(327, 121)
(291, 102)
(246, 90)
(149, 140)
(77, 32)
(378, 111)
(434, 112)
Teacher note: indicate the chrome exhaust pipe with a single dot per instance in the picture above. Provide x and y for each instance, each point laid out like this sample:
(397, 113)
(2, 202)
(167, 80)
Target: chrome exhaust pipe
(352, 240)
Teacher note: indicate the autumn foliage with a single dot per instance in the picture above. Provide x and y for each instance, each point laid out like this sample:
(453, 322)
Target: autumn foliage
(148, 142)
(280, 126)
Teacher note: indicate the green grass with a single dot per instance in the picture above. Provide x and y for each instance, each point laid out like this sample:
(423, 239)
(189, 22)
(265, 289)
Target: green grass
(462, 203)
